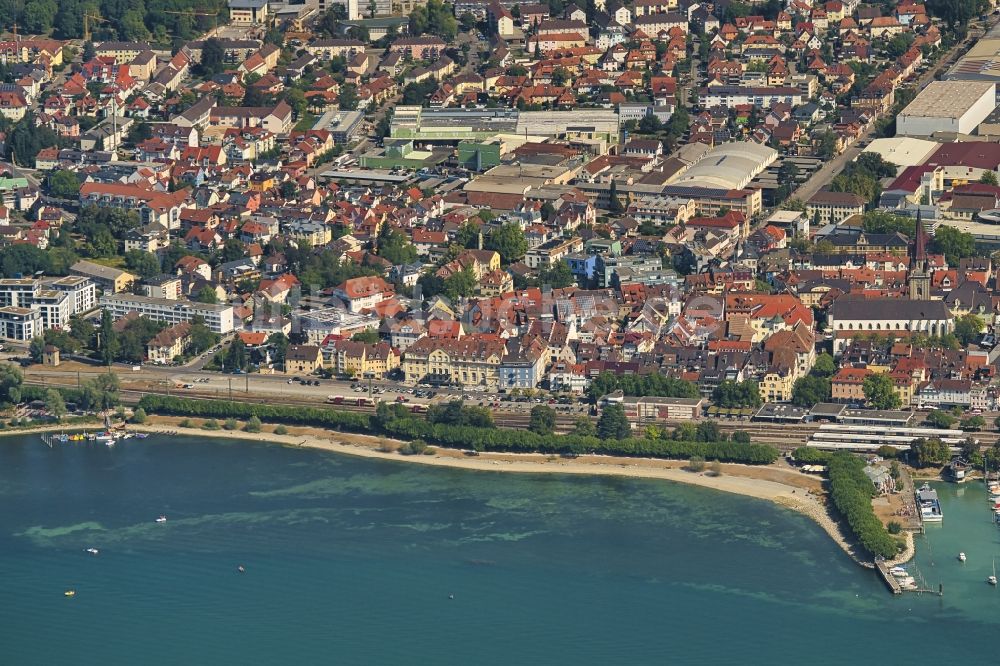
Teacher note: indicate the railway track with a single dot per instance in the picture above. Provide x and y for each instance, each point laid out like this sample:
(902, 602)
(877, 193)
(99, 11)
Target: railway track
(784, 436)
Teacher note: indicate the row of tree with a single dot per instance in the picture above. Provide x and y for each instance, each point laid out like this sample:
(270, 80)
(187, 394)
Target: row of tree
(396, 421)
(130, 20)
(642, 385)
(852, 491)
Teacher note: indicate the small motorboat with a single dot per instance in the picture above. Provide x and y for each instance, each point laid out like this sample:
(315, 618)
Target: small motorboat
(241, 569)
(93, 551)
(961, 557)
(69, 593)
(110, 442)
(992, 580)
(898, 572)
(161, 519)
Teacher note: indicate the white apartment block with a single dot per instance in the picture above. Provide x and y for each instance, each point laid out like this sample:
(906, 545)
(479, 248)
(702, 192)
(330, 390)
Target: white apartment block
(19, 323)
(218, 318)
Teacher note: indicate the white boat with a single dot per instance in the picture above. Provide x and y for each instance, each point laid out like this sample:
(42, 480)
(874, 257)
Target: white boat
(992, 580)
(930, 505)
(110, 442)
(961, 557)
(899, 572)
(93, 551)
(161, 519)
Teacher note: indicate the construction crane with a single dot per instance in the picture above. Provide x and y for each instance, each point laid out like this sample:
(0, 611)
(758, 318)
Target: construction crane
(87, 18)
(214, 15)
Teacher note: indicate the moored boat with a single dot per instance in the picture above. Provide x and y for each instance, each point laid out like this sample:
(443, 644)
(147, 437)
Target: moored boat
(961, 557)
(161, 519)
(930, 505)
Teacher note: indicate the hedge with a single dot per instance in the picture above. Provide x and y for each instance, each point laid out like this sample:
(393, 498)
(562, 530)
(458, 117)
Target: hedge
(852, 492)
(810, 455)
(463, 437)
(223, 409)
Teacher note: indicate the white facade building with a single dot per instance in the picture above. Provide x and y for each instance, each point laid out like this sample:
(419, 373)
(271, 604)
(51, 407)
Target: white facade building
(218, 318)
(947, 106)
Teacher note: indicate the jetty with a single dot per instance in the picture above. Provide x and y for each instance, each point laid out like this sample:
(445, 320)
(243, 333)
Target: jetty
(889, 579)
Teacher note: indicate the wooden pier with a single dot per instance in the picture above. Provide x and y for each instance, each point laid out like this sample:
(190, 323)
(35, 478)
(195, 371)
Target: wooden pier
(889, 579)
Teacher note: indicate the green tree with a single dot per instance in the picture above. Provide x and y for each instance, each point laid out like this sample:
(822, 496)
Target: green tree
(940, 419)
(369, 336)
(809, 390)
(974, 423)
(989, 178)
(615, 205)
(213, 57)
(509, 241)
(824, 366)
(613, 423)
(11, 380)
(557, 276)
(139, 415)
(253, 424)
(278, 342)
(38, 16)
(968, 327)
(468, 235)
(233, 250)
(144, 264)
(395, 247)
(348, 97)
(108, 338)
(731, 394)
(708, 431)
(880, 392)
(54, 404)
(201, 337)
(460, 284)
(543, 420)
(954, 244)
(207, 295)
(64, 184)
(37, 348)
(236, 355)
(927, 452)
(584, 427)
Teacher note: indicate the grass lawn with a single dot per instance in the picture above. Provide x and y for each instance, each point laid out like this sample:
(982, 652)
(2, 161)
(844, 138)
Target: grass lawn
(306, 122)
(113, 262)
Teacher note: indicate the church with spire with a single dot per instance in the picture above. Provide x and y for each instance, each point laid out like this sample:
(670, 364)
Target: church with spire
(920, 273)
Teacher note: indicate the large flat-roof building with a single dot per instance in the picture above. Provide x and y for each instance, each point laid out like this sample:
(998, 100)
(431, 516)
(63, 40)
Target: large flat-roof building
(729, 166)
(457, 124)
(947, 107)
(218, 317)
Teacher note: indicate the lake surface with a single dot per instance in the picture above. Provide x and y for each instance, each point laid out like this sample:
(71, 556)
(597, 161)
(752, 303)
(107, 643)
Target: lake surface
(353, 561)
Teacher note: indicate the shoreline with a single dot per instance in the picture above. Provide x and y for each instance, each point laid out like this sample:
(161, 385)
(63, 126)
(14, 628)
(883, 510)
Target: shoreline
(783, 487)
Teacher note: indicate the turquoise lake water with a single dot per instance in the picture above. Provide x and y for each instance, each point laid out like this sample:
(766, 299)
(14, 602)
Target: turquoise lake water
(352, 561)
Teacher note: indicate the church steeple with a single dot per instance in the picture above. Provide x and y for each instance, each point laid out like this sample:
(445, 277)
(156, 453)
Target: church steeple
(919, 256)
(920, 277)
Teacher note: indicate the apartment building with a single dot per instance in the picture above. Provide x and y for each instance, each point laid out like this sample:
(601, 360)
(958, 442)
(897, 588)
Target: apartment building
(218, 317)
(834, 207)
(547, 254)
(466, 361)
(19, 323)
